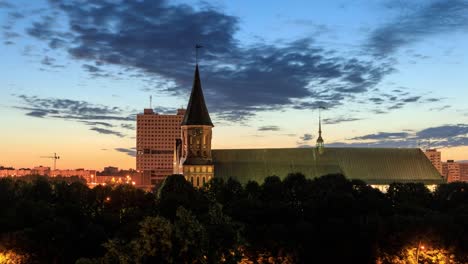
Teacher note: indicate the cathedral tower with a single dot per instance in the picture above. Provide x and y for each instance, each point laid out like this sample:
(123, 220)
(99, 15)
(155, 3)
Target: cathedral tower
(196, 163)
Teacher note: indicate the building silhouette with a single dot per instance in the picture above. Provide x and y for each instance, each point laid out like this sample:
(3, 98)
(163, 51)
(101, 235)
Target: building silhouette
(195, 159)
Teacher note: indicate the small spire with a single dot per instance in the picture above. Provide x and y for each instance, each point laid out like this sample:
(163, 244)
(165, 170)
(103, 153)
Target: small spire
(320, 143)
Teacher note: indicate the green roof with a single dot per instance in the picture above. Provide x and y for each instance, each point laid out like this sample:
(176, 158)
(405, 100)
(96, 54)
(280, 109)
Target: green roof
(372, 165)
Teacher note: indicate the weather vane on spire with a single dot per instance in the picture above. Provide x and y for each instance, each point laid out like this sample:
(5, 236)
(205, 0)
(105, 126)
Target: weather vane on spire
(197, 47)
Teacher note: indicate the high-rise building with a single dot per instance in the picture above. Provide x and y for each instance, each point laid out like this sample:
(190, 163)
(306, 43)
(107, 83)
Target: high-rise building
(451, 171)
(455, 171)
(434, 156)
(463, 171)
(156, 139)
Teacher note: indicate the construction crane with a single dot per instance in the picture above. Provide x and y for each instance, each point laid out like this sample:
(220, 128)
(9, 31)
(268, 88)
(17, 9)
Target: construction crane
(55, 157)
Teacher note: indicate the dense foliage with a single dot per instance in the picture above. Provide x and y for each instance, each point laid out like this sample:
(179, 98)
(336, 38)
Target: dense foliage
(295, 220)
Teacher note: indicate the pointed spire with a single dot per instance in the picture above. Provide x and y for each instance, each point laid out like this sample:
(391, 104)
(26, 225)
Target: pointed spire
(197, 113)
(320, 139)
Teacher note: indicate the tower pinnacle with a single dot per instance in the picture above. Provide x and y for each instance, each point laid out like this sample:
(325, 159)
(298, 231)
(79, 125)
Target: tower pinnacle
(320, 143)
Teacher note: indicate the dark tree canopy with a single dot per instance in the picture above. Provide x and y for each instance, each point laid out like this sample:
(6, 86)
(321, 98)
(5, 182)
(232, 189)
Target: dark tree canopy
(295, 220)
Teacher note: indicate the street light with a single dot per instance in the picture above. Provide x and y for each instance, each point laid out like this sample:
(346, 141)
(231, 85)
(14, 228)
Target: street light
(420, 247)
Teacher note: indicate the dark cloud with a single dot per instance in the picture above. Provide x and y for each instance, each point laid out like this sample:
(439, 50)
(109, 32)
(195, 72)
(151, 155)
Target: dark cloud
(383, 135)
(432, 17)
(79, 111)
(128, 126)
(72, 109)
(129, 151)
(50, 62)
(440, 108)
(5, 4)
(105, 124)
(107, 131)
(411, 99)
(442, 132)
(306, 137)
(438, 137)
(91, 68)
(337, 120)
(38, 113)
(146, 36)
(268, 128)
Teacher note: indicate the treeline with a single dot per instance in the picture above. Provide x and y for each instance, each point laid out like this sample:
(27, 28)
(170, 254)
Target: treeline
(295, 220)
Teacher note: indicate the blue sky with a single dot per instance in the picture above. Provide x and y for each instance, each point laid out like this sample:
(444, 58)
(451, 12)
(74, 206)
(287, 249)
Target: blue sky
(390, 73)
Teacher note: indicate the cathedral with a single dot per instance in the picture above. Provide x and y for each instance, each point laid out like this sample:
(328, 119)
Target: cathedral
(378, 167)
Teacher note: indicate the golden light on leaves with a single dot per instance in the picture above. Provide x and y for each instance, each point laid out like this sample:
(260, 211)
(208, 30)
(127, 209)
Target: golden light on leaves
(427, 255)
(11, 257)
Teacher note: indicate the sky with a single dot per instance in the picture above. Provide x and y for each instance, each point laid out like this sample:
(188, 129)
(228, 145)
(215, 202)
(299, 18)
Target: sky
(74, 74)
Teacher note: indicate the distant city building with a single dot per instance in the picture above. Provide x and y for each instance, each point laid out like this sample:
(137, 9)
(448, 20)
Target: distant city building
(110, 170)
(156, 139)
(40, 170)
(10, 172)
(435, 157)
(463, 171)
(46, 171)
(455, 171)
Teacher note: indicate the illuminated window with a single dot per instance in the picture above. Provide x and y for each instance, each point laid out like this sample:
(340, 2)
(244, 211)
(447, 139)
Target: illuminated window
(210, 169)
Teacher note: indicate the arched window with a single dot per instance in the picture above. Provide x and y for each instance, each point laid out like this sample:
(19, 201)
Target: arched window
(204, 181)
(198, 181)
(191, 180)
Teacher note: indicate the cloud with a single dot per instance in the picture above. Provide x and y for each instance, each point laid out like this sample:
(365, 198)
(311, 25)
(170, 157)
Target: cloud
(268, 128)
(71, 109)
(383, 135)
(94, 123)
(128, 126)
(306, 137)
(443, 132)
(144, 36)
(5, 4)
(50, 62)
(337, 120)
(439, 137)
(129, 151)
(92, 115)
(412, 99)
(431, 18)
(106, 131)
